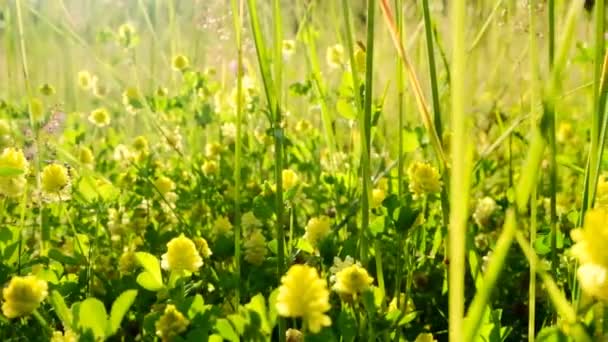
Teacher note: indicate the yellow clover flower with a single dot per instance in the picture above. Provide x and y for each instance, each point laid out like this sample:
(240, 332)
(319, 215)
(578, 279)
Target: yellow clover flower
(352, 280)
(54, 178)
(304, 294)
(378, 196)
(255, 248)
(209, 167)
(203, 247)
(84, 79)
(100, 117)
(290, 179)
(181, 255)
(23, 295)
(222, 226)
(317, 229)
(164, 185)
(180, 63)
(424, 179)
(171, 324)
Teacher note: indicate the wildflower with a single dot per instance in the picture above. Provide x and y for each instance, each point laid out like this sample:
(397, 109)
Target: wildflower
(378, 196)
(23, 295)
(84, 79)
(303, 126)
(98, 89)
(424, 179)
(382, 184)
(174, 139)
(164, 185)
(591, 240)
(249, 221)
(352, 280)
(140, 144)
(171, 324)
(181, 256)
(68, 336)
(335, 56)
(484, 210)
(203, 247)
(100, 117)
(294, 335)
(127, 262)
(255, 248)
(317, 229)
(209, 167)
(46, 89)
(131, 98)
(290, 179)
(122, 153)
(339, 265)
(565, 132)
(127, 36)
(14, 158)
(54, 178)
(288, 48)
(85, 155)
(180, 63)
(212, 150)
(222, 226)
(403, 301)
(303, 294)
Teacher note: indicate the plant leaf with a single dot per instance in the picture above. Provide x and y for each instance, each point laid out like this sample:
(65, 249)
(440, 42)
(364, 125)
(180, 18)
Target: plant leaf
(120, 307)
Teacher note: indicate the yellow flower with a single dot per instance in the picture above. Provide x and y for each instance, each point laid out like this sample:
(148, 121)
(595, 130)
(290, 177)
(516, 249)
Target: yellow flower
(209, 167)
(14, 158)
(594, 280)
(591, 240)
(378, 196)
(303, 294)
(85, 155)
(255, 248)
(54, 178)
(181, 255)
(249, 222)
(294, 335)
(212, 150)
(565, 132)
(164, 185)
(317, 229)
(171, 324)
(131, 98)
(23, 295)
(424, 179)
(100, 117)
(127, 36)
(180, 63)
(68, 336)
(290, 179)
(352, 280)
(140, 144)
(409, 306)
(222, 226)
(203, 247)
(127, 262)
(335, 56)
(84, 79)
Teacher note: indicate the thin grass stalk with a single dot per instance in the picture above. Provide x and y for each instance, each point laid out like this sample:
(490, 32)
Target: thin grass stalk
(421, 102)
(9, 43)
(360, 105)
(237, 13)
(273, 104)
(366, 127)
(430, 50)
(400, 108)
(459, 189)
(535, 104)
(490, 277)
(29, 96)
(551, 17)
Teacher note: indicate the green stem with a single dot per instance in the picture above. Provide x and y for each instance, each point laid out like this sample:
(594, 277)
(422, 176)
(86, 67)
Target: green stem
(237, 14)
(460, 154)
